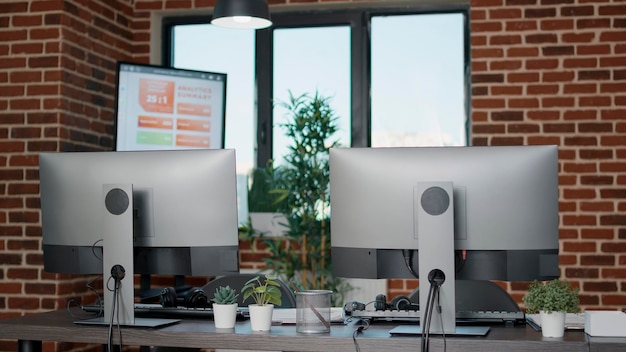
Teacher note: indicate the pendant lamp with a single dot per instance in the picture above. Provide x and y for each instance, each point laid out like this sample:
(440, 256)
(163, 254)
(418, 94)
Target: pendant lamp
(243, 14)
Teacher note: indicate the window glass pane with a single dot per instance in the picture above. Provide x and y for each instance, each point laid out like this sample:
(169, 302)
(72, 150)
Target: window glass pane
(209, 48)
(418, 80)
(310, 60)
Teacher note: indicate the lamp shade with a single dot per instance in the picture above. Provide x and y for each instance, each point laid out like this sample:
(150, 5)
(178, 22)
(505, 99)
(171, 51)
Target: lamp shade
(244, 14)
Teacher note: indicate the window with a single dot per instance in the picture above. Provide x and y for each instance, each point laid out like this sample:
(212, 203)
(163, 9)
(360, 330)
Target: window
(395, 76)
(231, 52)
(418, 96)
(320, 59)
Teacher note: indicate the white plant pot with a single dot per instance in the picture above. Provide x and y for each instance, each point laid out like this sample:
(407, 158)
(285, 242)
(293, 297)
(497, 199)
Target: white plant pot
(225, 315)
(261, 317)
(552, 324)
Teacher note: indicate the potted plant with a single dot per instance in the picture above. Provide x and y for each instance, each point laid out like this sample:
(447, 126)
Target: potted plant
(552, 300)
(302, 182)
(265, 293)
(224, 307)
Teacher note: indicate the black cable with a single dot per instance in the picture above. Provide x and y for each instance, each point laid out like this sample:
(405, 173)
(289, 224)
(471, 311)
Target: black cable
(428, 312)
(361, 325)
(73, 302)
(436, 277)
(99, 300)
(119, 327)
(110, 335)
(93, 249)
(115, 312)
(356, 344)
(408, 256)
(440, 311)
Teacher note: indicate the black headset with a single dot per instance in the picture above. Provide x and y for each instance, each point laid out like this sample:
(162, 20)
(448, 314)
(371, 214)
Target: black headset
(352, 306)
(397, 303)
(192, 298)
(380, 303)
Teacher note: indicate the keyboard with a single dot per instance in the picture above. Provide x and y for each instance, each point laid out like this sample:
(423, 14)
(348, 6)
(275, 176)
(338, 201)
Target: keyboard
(491, 317)
(391, 315)
(508, 318)
(157, 310)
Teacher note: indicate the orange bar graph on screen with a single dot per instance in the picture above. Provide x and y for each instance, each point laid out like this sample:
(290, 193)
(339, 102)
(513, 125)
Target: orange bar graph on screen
(193, 125)
(185, 140)
(194, 109)
(155, 122)
(156, 95)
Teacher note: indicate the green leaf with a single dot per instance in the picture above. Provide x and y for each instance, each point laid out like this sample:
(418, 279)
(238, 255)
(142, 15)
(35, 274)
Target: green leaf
(551, 296)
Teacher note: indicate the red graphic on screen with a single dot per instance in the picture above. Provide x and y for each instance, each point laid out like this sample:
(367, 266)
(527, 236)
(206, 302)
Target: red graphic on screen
(156, 95)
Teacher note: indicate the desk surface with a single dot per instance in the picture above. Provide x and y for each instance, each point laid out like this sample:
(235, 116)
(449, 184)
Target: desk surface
(59, 326)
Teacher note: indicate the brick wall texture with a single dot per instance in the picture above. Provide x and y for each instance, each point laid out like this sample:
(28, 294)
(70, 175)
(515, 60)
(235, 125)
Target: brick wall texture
(543, 72)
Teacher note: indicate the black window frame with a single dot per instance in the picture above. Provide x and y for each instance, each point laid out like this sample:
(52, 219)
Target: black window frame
(359, 19)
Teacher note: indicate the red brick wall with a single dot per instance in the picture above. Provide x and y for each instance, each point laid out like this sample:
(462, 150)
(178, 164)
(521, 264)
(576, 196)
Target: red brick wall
(554, 71)
(57, 62)
(543, 71)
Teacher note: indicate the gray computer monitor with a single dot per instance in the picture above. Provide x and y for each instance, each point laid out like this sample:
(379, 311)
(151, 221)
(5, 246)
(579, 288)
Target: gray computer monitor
(184, 210)
(505, 210)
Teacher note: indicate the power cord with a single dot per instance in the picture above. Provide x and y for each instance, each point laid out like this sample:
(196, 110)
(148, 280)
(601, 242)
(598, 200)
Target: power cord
(443, 330)
(360, 326)
(436, 277)
(408, 261)
(99, 301)
(73, 302)
(117, 274)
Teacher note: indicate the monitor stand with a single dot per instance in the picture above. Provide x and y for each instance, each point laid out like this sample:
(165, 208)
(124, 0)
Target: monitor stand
(117, 233)
(433, 204)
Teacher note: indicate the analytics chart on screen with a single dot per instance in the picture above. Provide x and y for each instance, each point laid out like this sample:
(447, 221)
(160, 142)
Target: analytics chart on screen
(160, 108)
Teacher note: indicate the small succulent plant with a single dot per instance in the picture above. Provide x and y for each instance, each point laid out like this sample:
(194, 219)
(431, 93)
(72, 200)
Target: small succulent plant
(225, 295)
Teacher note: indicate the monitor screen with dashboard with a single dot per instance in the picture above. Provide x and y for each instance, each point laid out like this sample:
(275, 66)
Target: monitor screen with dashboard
(161, 108)
(502, 222)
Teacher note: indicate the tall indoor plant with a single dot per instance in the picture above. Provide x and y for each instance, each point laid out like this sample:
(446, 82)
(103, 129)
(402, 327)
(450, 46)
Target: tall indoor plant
(303, 177)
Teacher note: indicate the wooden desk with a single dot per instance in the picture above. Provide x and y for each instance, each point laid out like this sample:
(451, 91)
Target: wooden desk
(606, 344)
(59, 326)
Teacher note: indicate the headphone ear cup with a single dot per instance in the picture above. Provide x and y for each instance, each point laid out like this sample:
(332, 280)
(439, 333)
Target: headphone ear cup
(168, 297)
(196, 298)
(400, 303)
(351, 306)
(381, 302)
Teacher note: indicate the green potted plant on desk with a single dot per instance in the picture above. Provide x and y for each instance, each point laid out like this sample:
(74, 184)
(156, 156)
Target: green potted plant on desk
(265, 293)
(552, 300)
(225, 307)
